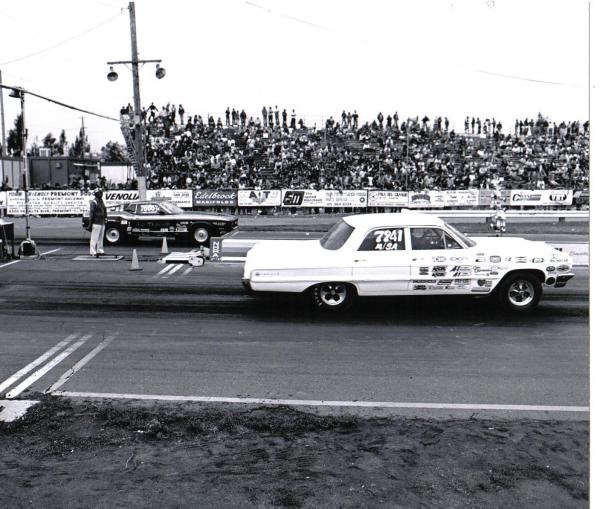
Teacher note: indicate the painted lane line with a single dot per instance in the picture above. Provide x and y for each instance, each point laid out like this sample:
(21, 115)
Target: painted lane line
(9, 263)
(68, 374)
(42, 358)
(168, 267)
(53, 251)
(175, 269)
(47, 367)
(307, 402)
(186, 272)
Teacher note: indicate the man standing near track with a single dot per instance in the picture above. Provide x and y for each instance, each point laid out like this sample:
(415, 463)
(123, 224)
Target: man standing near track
(97, 224)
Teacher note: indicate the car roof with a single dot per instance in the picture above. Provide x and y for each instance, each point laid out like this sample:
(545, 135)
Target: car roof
(404, 218)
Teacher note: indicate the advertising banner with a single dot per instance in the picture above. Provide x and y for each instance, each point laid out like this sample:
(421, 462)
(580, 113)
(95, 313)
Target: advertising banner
(461, 198)
(324, 198)
(262, 198)
(388, 198)
(545, 197)
(48, 202)
(180, 197)
(114, 197)
(485, 197)
(426, 199)
(215, 198)
(3, 199)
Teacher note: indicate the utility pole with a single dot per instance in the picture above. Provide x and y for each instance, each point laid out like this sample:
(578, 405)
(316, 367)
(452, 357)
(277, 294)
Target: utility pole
(3, 139)
(138, 128)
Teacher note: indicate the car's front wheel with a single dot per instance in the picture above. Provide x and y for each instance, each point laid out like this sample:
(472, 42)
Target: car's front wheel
(520, 292)
(113, 235)
(332, 296)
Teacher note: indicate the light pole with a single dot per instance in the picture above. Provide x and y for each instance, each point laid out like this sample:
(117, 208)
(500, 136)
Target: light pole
(138, 141)
(27, 248)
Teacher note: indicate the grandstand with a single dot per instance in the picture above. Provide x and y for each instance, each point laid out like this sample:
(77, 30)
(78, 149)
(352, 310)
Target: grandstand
(414, 155)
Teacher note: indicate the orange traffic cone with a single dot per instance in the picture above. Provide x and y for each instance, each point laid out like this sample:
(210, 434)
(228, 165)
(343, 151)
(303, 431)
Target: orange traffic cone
(134, 262)
(165, 249)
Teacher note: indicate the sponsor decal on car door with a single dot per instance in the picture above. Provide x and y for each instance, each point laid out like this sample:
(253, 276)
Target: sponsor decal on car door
(381, 262)
(439, 264)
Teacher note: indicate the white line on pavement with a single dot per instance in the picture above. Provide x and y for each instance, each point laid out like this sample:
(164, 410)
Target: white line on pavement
(46, 355)
(53, 251)
(42, 371)
(186, 272)
(168, 267)
(68, 374)
(9, 263)
(170, 273)
(305, 402)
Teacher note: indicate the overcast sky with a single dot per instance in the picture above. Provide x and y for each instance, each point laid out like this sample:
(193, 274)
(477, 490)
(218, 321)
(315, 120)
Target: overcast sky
(489, 58)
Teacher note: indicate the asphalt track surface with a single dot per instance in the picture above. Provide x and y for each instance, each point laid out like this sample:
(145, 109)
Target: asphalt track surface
(194, 333)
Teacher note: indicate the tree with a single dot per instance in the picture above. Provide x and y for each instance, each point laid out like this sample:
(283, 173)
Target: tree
(14, 142)
(113, 152)
(80, 146)
(62, 143)
(49, 141)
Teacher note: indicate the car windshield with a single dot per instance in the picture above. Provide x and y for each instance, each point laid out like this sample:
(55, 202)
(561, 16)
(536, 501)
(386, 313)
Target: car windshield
(463, 238)
(337, 235)
(171, 208)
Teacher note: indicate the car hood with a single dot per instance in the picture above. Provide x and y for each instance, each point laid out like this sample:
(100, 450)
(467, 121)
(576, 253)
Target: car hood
(516, 246)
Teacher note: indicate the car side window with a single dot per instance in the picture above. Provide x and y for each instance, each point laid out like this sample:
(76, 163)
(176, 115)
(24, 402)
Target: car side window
(451, 243)
(147, 209)
(427, 238)
(383, 239)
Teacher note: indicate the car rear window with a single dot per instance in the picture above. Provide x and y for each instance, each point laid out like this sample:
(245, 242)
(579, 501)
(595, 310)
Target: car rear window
(337, 235)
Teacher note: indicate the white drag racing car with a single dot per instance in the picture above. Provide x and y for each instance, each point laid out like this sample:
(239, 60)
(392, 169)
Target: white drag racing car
(407, 253)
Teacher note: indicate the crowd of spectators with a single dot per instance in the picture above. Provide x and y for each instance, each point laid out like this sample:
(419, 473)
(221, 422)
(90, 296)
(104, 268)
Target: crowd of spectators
(277, 150)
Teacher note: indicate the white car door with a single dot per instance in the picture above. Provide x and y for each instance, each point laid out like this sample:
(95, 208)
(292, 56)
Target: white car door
(439, 264)
(382, 263)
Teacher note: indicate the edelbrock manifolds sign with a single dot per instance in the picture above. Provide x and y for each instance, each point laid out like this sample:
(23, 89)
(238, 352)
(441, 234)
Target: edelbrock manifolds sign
(215, 198)
(324, 198)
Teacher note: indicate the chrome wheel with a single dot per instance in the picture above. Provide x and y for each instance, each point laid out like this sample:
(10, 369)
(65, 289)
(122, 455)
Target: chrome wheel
(112, 235)
(333, 294)
(201, 235)
(521, 293)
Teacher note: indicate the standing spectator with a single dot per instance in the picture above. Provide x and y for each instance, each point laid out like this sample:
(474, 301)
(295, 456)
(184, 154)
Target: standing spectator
(97, 224)
(276, 116)
(467, 125)
(344, 119)
(264, 116)
(472, 125)
(389, 121)
(243, 118)
(181, 112)
(293, 121)
(234, 117)
(284, 118)
(380, 120)
(396, 120)
(446, 124)
(270, 117)
(227, 117)
(478, 125)
(355, 120)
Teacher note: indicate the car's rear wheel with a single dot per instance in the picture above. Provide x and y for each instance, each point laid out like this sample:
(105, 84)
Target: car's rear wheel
(200, 235)
(333, 296)
(113, 235)
(520, 292)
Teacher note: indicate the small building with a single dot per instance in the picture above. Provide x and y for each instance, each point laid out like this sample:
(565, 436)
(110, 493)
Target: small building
(62, 171)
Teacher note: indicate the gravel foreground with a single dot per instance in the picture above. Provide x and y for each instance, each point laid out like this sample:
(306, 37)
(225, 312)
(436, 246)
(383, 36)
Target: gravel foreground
(67, 453)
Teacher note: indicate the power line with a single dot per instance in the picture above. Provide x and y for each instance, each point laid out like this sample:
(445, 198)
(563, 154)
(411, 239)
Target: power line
(64, 41)
(64, 105)
(520, 78)
(283, 15)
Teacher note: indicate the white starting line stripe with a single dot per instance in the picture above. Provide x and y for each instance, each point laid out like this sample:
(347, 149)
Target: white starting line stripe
(321, 403)
(53, 251)
(9, 263)
(47, 367)
(168, 267)
(172, 271)
(68, 374)
(42, 358)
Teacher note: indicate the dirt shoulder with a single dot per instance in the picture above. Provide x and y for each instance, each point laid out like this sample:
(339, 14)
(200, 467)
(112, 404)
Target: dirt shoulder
(67, 453)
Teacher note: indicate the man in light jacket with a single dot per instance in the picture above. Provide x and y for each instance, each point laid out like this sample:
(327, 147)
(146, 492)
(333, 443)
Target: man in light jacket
(97, 224)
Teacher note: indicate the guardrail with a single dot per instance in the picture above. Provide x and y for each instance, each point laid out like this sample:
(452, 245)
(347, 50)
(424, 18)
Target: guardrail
(560, 214)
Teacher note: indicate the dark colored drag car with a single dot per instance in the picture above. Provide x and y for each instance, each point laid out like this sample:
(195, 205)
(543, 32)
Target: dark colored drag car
(161, 218)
